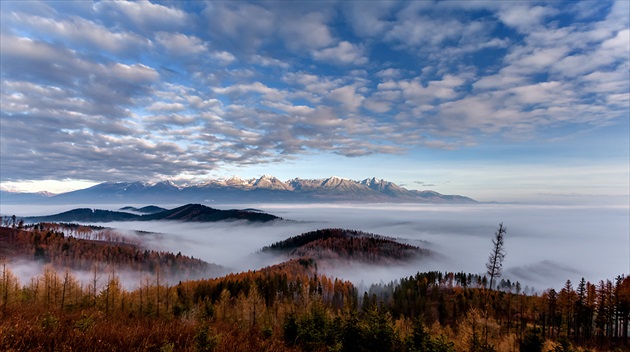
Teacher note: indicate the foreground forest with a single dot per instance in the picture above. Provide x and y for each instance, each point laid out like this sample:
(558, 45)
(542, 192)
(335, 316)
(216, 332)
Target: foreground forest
(285, 307)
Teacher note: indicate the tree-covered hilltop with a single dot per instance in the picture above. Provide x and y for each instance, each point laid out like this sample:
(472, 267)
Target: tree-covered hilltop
(347, 245)
(202, 213)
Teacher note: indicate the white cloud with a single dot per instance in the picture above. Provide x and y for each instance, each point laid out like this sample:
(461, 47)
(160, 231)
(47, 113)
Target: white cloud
(314, 86)
(144, 14)
(244, 25)
(388, 73)
(181, 44)
(199, 103)
(613, 51)
(134, 73)
(255, 87)
(416, 93)
(525, 18)
(268, 61)
(160, 106)
(368, 18)
(224, 57)
(382, 101)
(618, 46)
(22, 47)
(499, 81)
(422, 30)
(80, 31)
(344, 53)
(289, 108)
(546, 93)
(348, 97)
(376, 105)
(305, 31)
(534, 61)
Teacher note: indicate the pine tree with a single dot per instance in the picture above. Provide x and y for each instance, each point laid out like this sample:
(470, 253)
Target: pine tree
(494, 266)
(495, 260)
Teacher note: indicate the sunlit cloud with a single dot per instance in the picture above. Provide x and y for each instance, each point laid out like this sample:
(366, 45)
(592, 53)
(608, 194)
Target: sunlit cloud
(141, 90)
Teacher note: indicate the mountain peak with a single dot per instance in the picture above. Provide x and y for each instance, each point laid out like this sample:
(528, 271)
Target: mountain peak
(166, 184)
(236, 181)
(271, 182)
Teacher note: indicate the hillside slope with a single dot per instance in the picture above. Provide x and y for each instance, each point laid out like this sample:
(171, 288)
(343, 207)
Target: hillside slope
(185, 213)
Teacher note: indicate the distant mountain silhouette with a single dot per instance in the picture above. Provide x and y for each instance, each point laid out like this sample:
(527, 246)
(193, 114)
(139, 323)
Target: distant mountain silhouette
(24, 198)
(266, 189)
(185, 213)
(149, 209)
(86, 215)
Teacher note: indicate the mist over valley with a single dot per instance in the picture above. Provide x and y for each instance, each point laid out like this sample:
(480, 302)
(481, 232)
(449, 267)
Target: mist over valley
(545, 245)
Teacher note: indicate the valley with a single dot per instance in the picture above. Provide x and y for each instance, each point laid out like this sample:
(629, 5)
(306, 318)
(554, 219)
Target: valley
(299, 292)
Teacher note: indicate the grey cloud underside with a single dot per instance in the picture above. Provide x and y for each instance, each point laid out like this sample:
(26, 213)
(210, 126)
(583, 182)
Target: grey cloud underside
(166, 90)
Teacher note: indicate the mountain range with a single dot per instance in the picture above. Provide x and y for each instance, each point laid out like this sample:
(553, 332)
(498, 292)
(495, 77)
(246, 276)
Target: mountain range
(266, 189)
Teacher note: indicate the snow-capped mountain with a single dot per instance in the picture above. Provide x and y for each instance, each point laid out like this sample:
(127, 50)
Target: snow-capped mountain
(270, 182)
(265, 189)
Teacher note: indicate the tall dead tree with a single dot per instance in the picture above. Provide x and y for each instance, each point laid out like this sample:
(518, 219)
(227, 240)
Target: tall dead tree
(495, 260)
(494, 266)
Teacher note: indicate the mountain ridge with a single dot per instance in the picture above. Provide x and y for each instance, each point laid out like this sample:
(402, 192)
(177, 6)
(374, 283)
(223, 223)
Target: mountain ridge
(184, 213)
(265, 189)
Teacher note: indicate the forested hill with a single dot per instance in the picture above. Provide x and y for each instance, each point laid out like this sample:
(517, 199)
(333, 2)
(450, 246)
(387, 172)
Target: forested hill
(347, 245)
(81, 247)
(149, 209)
(202, 213)
(85, 215)
(189, 212)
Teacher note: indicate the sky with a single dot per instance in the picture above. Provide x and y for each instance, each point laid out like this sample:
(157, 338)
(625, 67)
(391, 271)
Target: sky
(497, 100)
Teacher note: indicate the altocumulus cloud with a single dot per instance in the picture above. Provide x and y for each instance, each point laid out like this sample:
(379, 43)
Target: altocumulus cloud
(137, 90)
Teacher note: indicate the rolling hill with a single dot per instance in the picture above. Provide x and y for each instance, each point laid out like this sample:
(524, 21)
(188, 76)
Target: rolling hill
(185, 213)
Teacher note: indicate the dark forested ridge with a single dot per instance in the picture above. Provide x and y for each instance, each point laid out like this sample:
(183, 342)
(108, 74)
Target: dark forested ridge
(149, 209)
(85, 215)
(346, 245)
(289, 306)
(202, 213)
(189, 212)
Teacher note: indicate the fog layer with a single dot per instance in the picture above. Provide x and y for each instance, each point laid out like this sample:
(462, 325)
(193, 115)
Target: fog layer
(545, 245)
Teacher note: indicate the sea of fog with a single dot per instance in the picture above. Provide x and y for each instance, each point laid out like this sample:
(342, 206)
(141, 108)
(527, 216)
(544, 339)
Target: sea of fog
(545, 245)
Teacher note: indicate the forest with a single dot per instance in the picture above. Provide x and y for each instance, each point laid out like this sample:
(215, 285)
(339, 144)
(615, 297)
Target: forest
(289, 306)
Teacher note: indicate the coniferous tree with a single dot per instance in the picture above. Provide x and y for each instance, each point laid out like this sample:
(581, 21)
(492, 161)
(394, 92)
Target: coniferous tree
(532, 341)
(495, 260)
(494, 266)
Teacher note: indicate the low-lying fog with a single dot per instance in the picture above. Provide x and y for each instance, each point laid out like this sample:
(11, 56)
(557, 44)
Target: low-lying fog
(545, 245)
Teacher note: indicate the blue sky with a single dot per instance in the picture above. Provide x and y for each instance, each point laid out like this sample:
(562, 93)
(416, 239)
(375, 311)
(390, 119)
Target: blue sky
(495, 100)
